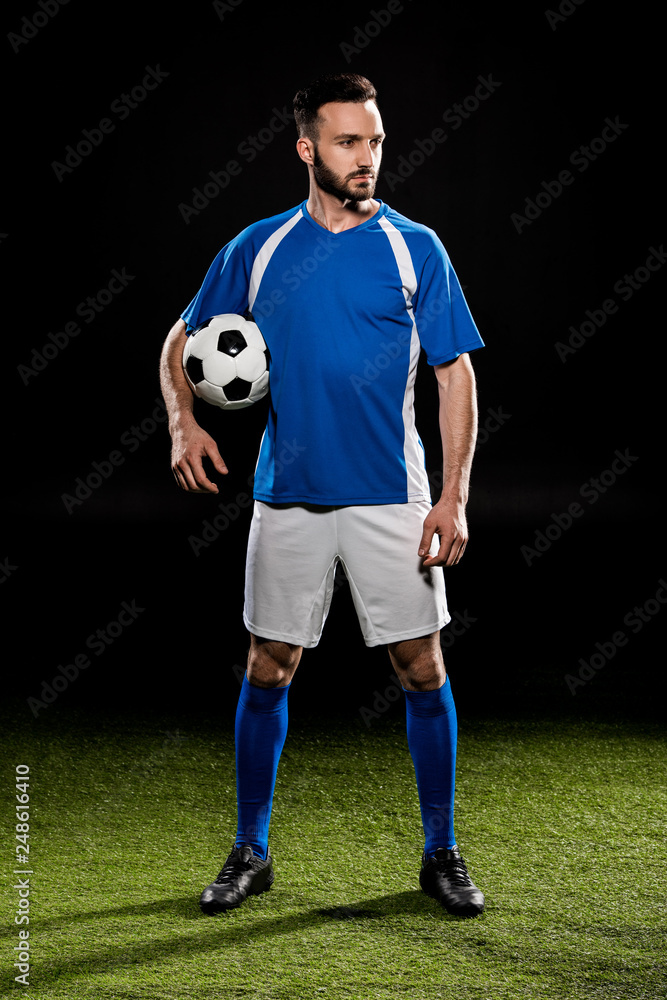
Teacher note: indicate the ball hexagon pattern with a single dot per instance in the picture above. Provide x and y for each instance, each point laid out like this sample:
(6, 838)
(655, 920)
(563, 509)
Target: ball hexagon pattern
(226, 361)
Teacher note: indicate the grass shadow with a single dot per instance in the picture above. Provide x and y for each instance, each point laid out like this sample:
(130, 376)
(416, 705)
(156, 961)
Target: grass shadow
(258, 921)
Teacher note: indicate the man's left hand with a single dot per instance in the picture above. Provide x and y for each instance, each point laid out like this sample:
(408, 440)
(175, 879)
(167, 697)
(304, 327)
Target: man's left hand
(448, 520)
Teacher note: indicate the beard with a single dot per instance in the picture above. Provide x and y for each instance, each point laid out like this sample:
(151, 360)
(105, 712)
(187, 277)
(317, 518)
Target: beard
(344, 188)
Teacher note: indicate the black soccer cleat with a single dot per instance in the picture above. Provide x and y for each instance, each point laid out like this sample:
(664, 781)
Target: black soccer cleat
(243, 874)
(445, 877)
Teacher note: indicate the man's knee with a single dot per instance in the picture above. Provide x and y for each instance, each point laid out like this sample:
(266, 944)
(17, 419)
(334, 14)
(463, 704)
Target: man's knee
(419, 663)
(272, 663)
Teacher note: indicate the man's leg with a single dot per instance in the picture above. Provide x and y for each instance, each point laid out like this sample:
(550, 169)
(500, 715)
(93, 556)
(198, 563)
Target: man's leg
(431, 731)
(432, 736)
(260, 731)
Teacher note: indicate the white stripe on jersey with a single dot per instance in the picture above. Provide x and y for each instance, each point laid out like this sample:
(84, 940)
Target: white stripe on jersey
(264, 256)
(412, 450)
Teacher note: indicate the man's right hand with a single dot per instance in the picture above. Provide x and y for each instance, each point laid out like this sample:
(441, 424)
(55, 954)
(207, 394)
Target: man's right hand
(190, 442)
(189, 447)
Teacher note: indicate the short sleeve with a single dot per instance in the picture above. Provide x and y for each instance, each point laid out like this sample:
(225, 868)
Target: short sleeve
(224, 289)
(444, 322)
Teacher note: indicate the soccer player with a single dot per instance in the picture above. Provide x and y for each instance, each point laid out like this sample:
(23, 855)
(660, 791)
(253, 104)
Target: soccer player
(347, 292)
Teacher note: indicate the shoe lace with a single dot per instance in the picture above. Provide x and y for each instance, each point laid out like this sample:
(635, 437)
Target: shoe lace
(234, 866)
(455, 870)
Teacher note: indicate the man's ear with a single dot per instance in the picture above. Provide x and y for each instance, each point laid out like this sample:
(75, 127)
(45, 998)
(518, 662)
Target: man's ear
(304, 148)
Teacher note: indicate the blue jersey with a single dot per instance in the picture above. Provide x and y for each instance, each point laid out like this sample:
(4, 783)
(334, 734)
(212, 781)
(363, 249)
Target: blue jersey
(345, 317)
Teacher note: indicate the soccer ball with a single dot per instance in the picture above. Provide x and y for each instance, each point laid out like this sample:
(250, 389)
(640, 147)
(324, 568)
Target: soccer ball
(227, 362)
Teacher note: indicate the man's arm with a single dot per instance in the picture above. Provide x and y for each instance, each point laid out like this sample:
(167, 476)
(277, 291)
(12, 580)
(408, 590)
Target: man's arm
(458, 430)
(190, 442)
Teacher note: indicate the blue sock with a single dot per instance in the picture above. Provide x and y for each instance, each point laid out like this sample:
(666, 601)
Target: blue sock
(432, 730)
(260, 731)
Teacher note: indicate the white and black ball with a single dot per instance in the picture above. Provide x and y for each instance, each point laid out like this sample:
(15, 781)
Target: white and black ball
(226, 361)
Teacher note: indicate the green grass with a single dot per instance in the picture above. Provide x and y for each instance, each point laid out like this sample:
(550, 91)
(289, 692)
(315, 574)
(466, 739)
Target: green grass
(561, 823)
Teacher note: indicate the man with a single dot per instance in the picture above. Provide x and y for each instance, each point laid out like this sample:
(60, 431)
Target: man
(346, 292)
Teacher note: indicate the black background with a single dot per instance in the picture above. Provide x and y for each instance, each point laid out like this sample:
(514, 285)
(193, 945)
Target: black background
(530, 620)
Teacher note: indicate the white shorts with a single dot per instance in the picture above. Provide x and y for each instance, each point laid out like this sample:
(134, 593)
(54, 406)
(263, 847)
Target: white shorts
(293, 551)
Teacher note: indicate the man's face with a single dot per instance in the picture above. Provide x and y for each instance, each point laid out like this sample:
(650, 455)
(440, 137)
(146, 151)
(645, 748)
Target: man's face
(347, 154)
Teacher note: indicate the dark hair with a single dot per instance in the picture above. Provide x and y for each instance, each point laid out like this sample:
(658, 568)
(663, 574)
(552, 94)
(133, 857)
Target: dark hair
(339, 87)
